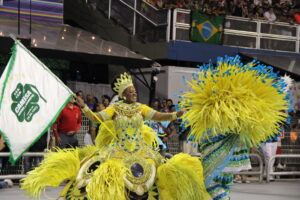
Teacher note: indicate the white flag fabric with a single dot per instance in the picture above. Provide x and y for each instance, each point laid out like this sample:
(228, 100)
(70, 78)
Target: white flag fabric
(31, 98)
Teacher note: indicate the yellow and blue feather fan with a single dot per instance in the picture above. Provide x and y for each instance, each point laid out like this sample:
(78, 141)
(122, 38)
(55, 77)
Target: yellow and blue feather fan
(232, 97)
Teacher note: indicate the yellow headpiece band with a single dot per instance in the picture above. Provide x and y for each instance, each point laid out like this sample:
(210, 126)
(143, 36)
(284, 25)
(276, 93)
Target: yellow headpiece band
(122, 83)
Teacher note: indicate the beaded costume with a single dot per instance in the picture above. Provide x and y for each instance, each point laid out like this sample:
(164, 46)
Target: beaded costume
(123, 165)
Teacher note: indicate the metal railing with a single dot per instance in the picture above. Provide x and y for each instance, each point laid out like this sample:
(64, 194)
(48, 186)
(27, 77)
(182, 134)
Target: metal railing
(12, 174)
(244, 32)
(30, 160)
(181, 24)
(270, 172)
(139, 17)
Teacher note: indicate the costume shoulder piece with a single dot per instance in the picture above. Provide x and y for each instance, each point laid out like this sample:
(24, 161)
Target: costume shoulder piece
(128, 110)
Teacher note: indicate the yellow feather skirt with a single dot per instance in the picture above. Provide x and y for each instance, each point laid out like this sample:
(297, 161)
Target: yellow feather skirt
(180, 178)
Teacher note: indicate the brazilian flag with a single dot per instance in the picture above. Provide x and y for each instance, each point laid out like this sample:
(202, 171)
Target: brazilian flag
(207, 29)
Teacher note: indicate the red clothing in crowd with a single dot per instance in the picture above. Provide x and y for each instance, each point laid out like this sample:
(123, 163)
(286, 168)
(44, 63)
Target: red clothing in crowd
(68, 120)
(297, 17)
(180, 4)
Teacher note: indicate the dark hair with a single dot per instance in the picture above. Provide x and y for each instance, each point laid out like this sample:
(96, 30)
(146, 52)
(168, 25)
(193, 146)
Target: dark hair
(95, 106)
(171, 106)
(170, 100)
(96, 99)
(105, 96)
(77, 93)
(156, 100)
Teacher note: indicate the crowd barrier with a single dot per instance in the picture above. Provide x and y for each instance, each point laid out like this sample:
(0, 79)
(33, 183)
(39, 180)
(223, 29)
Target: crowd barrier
(18, 171)
(274, 174)
(290, 159)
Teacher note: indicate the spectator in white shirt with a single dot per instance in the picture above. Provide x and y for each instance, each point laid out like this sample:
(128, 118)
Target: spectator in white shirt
(258, 2)
(270, 15)
(267, 2)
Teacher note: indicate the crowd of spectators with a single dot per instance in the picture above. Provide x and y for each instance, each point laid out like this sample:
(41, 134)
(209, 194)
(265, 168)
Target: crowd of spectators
(271, 10)
(174, 132)
(95, 105)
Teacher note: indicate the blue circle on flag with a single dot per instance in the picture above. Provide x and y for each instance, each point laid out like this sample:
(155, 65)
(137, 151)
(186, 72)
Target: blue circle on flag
(206, 30)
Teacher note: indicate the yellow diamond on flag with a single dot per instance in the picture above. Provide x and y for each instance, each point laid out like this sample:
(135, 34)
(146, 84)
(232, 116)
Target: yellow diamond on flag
(207, 30)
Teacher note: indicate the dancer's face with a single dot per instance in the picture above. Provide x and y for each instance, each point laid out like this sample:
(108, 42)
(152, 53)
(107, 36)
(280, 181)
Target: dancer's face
(130, 95)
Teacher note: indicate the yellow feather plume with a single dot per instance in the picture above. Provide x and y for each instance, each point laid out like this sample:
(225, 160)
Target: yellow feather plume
(87, 151)
(181, 178)
(53, 170)
(107, 182)
(230, 99)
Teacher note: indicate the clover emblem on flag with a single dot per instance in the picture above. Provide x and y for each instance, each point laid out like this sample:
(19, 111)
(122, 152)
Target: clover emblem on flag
(25, 102)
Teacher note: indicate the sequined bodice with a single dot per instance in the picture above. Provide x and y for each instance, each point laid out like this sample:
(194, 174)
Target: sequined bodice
(128, 122)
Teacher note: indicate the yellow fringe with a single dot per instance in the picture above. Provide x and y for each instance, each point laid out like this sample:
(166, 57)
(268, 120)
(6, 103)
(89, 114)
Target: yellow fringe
(240, 103)
(53, 170)
(107, 182)
(105, 138)
(181, 178)
(149, 136)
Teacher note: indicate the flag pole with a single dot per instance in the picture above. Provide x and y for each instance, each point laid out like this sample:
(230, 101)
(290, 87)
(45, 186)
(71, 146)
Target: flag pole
(12, 36)
(102, 123)
(19, 16)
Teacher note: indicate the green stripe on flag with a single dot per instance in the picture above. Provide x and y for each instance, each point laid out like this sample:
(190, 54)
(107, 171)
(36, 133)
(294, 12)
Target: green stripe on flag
(10, 66)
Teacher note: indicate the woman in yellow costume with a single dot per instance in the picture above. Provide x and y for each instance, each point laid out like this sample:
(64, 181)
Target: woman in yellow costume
(124, 163)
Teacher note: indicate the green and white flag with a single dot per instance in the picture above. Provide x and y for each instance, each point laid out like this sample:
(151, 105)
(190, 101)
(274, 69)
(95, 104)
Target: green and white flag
(31, 98)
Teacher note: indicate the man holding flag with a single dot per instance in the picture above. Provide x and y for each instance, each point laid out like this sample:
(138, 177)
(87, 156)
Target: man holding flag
(31, 98)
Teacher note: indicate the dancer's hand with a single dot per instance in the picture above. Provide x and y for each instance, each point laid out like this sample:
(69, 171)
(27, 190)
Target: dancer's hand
(180, 113)
(79, 101)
